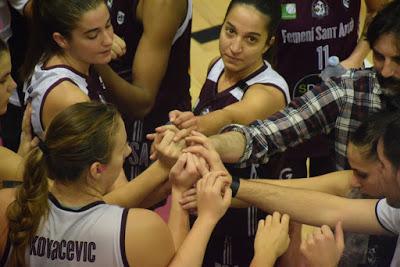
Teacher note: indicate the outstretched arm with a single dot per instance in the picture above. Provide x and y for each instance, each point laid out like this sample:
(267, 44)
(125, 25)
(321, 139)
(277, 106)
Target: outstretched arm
(311, 207)
(259, 102)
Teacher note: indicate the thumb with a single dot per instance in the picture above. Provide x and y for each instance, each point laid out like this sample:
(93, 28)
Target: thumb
(227, 197)
(339, 236)
(172, 115)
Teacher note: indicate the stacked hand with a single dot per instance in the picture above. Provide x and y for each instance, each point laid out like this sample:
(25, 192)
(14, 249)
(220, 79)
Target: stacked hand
(186, 171)
(27, 142)
(323, 248)
(213, 197)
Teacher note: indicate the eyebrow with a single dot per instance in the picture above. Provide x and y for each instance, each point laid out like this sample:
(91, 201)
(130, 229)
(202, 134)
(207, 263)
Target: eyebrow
(248, 33)
(5, 75)
(96, 29)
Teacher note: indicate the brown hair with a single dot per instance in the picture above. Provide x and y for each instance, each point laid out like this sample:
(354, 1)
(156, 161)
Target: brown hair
(77, 137)
(50, 16)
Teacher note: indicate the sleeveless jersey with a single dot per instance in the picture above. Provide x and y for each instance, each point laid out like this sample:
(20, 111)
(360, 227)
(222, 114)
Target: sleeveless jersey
(210, 100)
(310, 32)
(44, 79)
(174, 89)
(237, 223)
(93, 235)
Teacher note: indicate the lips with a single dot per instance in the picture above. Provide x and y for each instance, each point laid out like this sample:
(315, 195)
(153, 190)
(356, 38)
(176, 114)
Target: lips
(232, 58)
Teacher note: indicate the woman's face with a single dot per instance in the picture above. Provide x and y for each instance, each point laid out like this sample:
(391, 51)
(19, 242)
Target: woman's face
(91, 41)
(120, 152)
(243, 38)
(7, 84)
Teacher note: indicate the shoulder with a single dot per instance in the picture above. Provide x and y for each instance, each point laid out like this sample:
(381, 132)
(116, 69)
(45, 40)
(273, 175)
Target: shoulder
(162, 16)
(146, 235)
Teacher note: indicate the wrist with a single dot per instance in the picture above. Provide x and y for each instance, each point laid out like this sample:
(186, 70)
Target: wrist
(235, 185)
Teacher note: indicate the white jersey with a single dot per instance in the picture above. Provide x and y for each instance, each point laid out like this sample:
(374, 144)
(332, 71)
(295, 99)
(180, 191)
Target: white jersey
(389, 218)
(43, 80)
(210, 99)
(93, 235)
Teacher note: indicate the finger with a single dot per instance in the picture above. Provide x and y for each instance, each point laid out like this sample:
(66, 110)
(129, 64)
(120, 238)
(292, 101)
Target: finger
(188, 199)
(210, 179)
(173, 115)
(179, 164)
(326, 231)
(181, 134)
(200, 185)
(268, 220)
(35, 142)
(339, 237)
(182, 117)
(202, 166)
(167, 139)
(227, 199)
(276, 217)
(190, 205)
(260, 226)
(190, 192)
(190, 124)
(285, 220)
(151, 136)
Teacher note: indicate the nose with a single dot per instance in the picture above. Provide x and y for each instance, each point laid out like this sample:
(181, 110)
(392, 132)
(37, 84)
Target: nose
(236, 46)
(355, 182)
(108, 38)
(12, 85)
(388, 69)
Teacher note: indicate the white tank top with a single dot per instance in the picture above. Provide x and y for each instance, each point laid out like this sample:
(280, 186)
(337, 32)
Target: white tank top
(93, 235)
(43, 80)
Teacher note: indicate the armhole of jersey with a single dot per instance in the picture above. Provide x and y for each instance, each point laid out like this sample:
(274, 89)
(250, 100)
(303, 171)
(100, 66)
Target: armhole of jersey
(278, 88)
(379, 221)
(46, 94)
(6, 253)
(122, 237)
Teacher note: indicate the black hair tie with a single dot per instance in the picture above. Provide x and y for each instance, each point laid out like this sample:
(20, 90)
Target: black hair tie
(43, 147)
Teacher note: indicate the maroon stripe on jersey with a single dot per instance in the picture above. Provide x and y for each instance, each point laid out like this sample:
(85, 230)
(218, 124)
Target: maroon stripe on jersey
(47, 92)
(65, 67)
(122, 247)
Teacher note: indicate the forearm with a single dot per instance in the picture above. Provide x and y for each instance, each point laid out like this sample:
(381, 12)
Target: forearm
(178, 221)
(230, 146)
(191, 253)
(336, 183)
(311, 207)
(263, 260)
(159, 194)
(212, 122)
(135, 101)
(134, 192)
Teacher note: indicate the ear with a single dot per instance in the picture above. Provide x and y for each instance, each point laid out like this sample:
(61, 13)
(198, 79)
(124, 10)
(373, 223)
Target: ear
(269, 44)
(60, 40)
(96, 170)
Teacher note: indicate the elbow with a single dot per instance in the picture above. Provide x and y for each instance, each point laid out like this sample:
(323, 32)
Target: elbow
(142, 108)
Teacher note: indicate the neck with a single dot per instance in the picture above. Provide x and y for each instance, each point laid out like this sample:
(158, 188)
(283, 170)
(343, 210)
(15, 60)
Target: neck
(76, 194)
(66, 59)
(235, 76)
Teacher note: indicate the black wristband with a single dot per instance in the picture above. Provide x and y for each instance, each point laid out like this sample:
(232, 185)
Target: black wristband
(235, 185)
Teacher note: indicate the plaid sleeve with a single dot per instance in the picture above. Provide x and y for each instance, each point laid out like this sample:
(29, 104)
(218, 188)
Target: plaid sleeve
(312, 114)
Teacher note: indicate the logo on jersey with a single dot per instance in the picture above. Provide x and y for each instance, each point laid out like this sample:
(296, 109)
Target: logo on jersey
(288, 11)
(109, 3)
(346, 3)
(120, 17)
(319, 9)
(305, 84)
